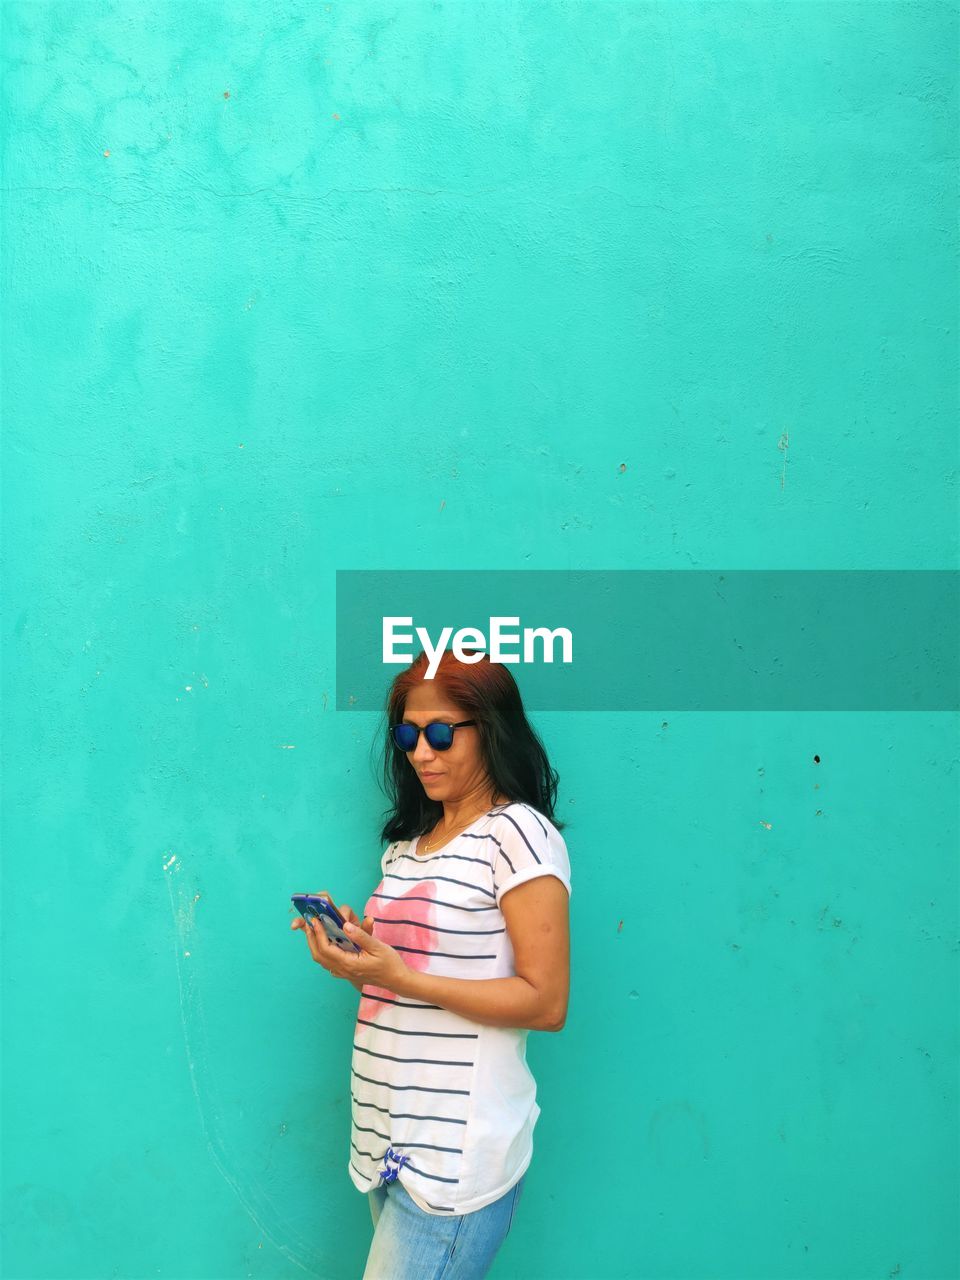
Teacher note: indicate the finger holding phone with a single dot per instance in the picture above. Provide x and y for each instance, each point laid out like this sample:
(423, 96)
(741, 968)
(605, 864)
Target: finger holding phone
(361, 958)
(323, 924)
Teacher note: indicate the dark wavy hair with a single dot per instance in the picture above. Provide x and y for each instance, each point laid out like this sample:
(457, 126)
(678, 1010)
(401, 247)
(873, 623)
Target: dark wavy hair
(515, 758)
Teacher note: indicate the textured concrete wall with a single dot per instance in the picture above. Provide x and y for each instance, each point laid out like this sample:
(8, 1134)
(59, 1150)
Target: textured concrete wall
(293, 287)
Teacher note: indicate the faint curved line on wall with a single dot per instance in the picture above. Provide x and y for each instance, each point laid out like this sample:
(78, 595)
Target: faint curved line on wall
(254, 1200)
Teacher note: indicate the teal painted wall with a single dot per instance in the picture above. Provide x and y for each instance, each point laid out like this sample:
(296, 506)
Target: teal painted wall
(296, 287)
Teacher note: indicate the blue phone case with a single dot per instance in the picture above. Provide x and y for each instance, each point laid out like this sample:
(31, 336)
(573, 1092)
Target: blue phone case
(310, 905)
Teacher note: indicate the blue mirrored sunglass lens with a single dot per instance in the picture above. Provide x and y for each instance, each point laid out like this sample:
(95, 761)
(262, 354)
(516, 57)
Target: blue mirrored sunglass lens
(439, 736)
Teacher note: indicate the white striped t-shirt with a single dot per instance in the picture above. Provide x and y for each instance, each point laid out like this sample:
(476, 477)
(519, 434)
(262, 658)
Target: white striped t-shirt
(453, 1096)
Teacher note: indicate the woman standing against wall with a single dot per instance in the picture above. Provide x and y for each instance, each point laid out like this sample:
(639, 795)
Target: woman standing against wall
(465, 948)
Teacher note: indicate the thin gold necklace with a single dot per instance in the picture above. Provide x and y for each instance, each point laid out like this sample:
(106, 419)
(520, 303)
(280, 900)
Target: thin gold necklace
(426, 847)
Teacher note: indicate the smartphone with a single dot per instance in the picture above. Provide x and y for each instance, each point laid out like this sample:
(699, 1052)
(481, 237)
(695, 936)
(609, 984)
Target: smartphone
(310, 905)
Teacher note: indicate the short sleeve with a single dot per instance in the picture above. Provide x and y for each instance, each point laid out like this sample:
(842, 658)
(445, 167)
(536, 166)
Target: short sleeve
(528, 845)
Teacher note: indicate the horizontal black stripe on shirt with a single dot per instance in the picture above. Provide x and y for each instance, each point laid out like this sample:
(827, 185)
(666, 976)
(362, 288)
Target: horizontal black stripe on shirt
(412, 1167)
(491, 813)
(435, 857)
(420, 1088)
(404, 897)
(468, 835)
(423, 1146)
(360, 1129)
(408, 1165)
(443, 955)
(443, 1208)
(433, 927)
(503, 853)
(446, 1035)
(369, 1154)
(429, 1062)
(432, 1176)
(481, 835)
(405, 1115)
(447, 880)
(407, 1004)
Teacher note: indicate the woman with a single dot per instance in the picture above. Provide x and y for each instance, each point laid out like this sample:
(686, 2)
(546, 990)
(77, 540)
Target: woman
(465, 947)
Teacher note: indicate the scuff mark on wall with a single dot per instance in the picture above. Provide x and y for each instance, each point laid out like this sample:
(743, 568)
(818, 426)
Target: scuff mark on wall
(784, 444)
(184, 897)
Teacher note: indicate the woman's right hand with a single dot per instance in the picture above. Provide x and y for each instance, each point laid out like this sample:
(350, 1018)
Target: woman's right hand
(348, 913)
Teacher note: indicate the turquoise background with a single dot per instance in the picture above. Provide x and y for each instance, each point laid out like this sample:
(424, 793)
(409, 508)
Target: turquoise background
(476, 285)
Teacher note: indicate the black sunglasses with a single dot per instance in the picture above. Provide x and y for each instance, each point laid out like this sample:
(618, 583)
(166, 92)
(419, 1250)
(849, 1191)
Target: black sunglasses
(439, 735)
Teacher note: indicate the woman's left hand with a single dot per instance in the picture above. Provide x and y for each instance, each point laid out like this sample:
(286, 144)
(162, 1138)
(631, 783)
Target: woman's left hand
(378, 963)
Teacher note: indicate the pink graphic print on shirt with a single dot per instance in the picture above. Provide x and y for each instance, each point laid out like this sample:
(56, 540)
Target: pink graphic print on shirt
(406, 922)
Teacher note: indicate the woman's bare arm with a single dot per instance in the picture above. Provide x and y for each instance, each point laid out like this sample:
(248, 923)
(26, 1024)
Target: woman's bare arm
(538, 923)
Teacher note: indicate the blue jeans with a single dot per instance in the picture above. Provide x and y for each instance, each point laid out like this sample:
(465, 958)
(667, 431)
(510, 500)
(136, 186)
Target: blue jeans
(410, 1244)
